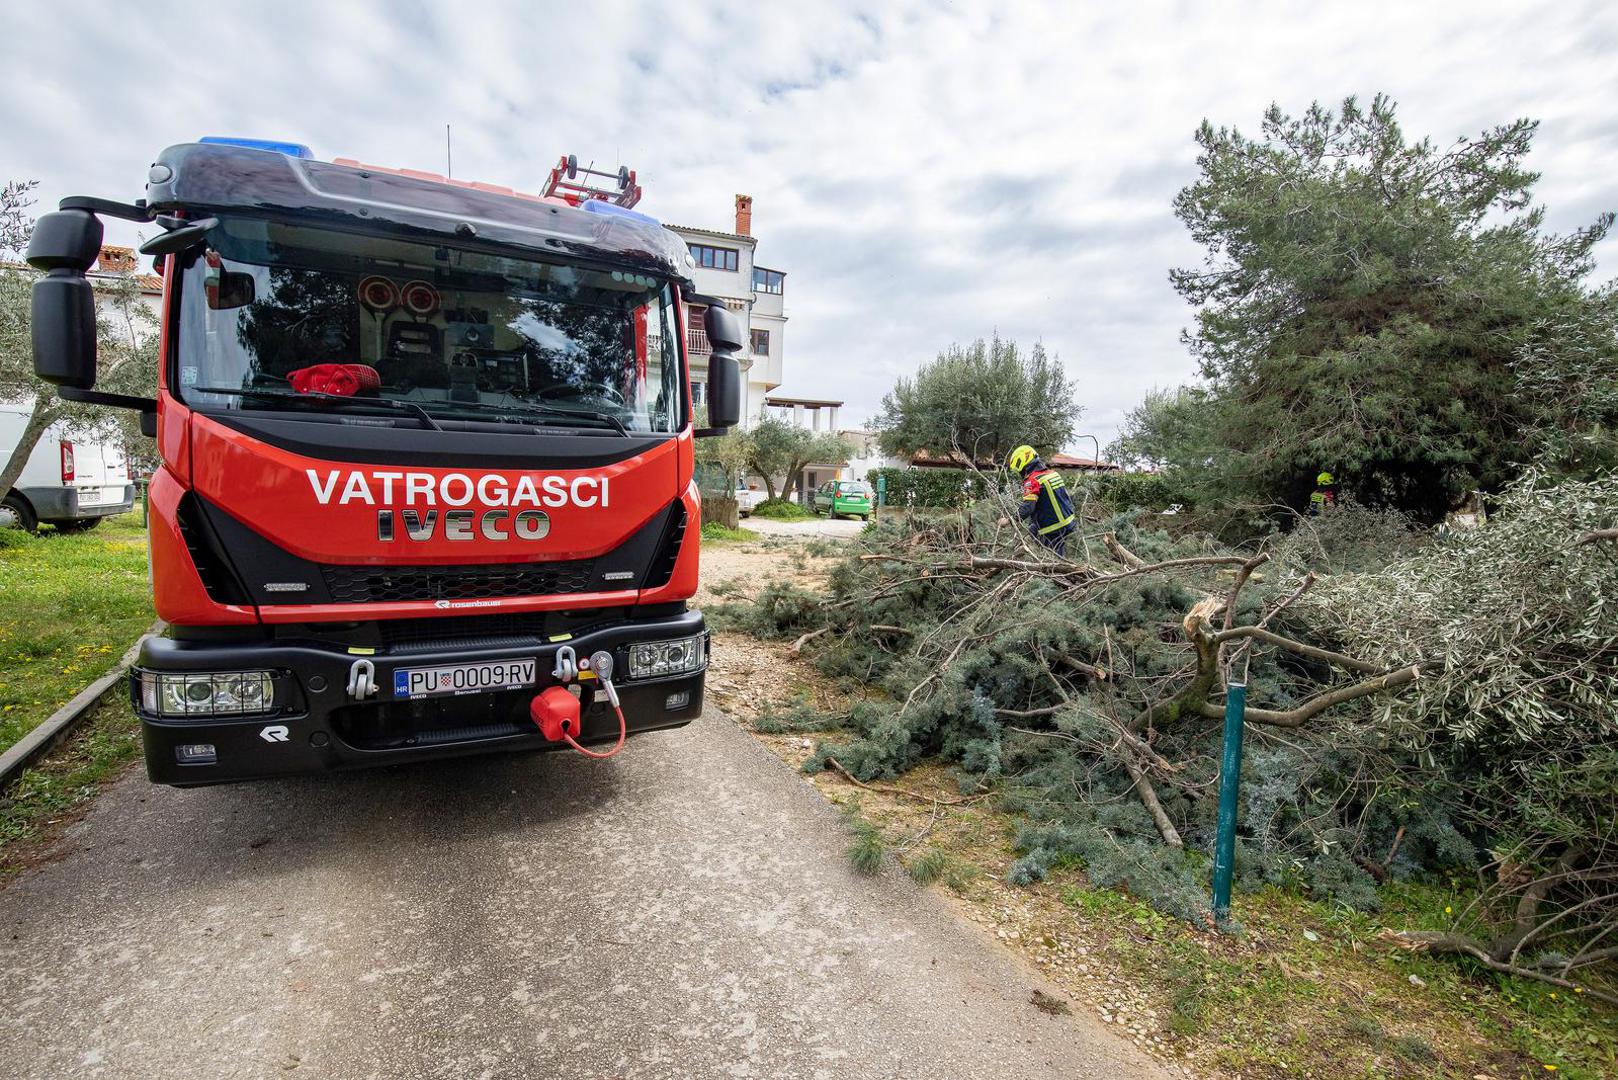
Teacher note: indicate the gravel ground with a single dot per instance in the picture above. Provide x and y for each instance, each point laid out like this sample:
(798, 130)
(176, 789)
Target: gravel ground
(818, 526)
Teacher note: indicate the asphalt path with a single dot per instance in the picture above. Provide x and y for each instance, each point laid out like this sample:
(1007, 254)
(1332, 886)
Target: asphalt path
(683, 910)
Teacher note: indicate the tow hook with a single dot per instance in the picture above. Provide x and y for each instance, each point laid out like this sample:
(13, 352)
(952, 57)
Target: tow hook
(555, 711)
(361, 679)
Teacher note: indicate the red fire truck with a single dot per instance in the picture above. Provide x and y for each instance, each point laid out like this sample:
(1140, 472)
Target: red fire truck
(427, 474)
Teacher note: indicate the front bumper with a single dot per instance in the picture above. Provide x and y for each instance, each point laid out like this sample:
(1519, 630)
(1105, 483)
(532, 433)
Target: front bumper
(319, 727)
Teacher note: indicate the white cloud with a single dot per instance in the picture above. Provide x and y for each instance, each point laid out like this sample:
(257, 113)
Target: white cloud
(924, 173)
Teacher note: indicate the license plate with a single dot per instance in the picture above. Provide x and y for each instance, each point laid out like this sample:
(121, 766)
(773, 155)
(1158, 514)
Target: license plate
(463, 678)
(92, 496)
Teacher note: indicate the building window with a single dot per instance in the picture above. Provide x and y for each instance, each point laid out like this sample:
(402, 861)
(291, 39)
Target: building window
(761, 343)
(769, 281)
(715, 258)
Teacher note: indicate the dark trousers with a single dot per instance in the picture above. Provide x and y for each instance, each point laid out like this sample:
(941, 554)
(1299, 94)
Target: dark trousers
(1056, 541)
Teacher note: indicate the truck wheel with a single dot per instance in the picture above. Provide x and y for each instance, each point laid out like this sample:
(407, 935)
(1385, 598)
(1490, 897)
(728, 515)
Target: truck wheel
(15, 513)
(76, 524)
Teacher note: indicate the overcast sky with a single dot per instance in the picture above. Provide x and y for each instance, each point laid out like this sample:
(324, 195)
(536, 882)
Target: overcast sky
(924, 173)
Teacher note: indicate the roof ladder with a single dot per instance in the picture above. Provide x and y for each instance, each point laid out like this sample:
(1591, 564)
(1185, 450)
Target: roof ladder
(564, 183)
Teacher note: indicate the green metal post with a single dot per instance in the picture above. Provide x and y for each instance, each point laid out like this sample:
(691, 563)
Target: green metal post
(882, 491)
(1230, 782)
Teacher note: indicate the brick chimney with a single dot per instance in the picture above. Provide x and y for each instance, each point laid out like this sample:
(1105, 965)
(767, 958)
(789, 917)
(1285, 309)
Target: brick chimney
(116, 260)
(744, 215)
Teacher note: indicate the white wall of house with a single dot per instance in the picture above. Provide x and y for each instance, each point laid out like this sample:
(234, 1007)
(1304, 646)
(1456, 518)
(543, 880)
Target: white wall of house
(867, 456)
(725, 269)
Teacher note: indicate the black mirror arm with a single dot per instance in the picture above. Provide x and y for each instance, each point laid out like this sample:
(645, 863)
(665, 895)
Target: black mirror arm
(188, 235)
(136, 211)
(114, 401)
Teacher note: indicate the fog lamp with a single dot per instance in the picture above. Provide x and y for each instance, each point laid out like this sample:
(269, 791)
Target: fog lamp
(195, 754)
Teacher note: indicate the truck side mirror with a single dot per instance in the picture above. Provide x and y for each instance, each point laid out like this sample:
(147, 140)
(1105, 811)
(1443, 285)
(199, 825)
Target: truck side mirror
(724, 329)
(724, 371)
(65, 244)
(235, 289)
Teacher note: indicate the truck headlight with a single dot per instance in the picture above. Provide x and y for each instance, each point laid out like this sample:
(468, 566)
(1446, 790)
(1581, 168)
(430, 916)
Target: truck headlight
(652, 658)
(235, 693)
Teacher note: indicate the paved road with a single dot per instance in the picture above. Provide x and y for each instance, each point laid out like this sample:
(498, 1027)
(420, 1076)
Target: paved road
(681, 911)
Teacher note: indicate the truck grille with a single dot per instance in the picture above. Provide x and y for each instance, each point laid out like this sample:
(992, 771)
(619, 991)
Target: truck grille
(383, 584)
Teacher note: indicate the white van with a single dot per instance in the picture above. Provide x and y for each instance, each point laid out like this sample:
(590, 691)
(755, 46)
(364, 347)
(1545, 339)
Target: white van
(68, 482)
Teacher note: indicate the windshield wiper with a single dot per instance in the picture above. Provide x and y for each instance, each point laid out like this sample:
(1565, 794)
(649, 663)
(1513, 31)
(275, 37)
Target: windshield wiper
(539, 408)
(336, 399)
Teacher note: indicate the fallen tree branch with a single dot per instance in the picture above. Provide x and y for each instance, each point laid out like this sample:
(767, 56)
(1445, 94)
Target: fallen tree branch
(1121, 553)
(1095, 672)
(1439, 942)
(1148, 798)
(1269, 637)
(1236, 586)
(1292, 718)
(888, 789)
(1596, 535)
(1169, 564)
(797, 646)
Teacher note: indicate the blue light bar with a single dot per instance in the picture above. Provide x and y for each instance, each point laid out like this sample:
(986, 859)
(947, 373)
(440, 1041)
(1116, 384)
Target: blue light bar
(597, 206)
(290, 149)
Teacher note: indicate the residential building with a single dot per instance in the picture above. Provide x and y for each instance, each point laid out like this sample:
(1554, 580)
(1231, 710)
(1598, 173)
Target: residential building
(813, 413)
(727, 269)
(867, 456)
(1074, 463)
(819, 414)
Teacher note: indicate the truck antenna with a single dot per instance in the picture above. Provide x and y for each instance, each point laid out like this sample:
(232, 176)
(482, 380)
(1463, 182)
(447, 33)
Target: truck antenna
(449, 161)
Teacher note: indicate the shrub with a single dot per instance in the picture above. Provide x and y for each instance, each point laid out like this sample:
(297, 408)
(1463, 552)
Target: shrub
(932, 487)
(781, 510)
(865, 852)
(1124, 491)
(929, 866)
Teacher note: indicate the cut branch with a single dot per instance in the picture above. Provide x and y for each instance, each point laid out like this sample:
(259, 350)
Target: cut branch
(1236, 586)
(1292, 718)
(1121, 553)
(1269, 637)
(1439, 942)
(1148, 798)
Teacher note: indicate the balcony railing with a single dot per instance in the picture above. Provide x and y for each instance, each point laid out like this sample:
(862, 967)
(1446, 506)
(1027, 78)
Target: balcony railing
(696, 342)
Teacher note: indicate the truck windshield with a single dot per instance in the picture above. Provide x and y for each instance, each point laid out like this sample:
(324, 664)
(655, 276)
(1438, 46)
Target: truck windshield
(281, 311)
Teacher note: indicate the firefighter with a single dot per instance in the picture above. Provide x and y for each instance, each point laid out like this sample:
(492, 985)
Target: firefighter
(1324, 494)
(1046, 506)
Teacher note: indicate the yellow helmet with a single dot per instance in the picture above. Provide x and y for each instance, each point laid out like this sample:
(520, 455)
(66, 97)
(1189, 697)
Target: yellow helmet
(1021, 458)
(1323, 479)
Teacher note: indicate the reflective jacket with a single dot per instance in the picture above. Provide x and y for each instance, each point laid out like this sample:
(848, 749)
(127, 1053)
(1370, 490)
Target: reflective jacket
(1045, 500)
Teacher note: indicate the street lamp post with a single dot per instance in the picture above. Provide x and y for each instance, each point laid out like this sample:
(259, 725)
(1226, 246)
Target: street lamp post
(1097, 442)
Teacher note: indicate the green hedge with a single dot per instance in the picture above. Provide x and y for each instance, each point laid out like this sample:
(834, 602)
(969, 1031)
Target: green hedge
(1124, 491)
(1119, 491)
(781, 510)
(932, 487)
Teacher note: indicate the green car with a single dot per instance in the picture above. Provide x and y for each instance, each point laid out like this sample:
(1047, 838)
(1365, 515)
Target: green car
(852, 497)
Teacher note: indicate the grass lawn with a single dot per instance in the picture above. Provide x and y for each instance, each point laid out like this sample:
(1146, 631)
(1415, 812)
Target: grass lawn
(70, 604)
(713, 530)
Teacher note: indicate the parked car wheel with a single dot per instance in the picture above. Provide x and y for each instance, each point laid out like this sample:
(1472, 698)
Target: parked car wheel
(15, 513)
